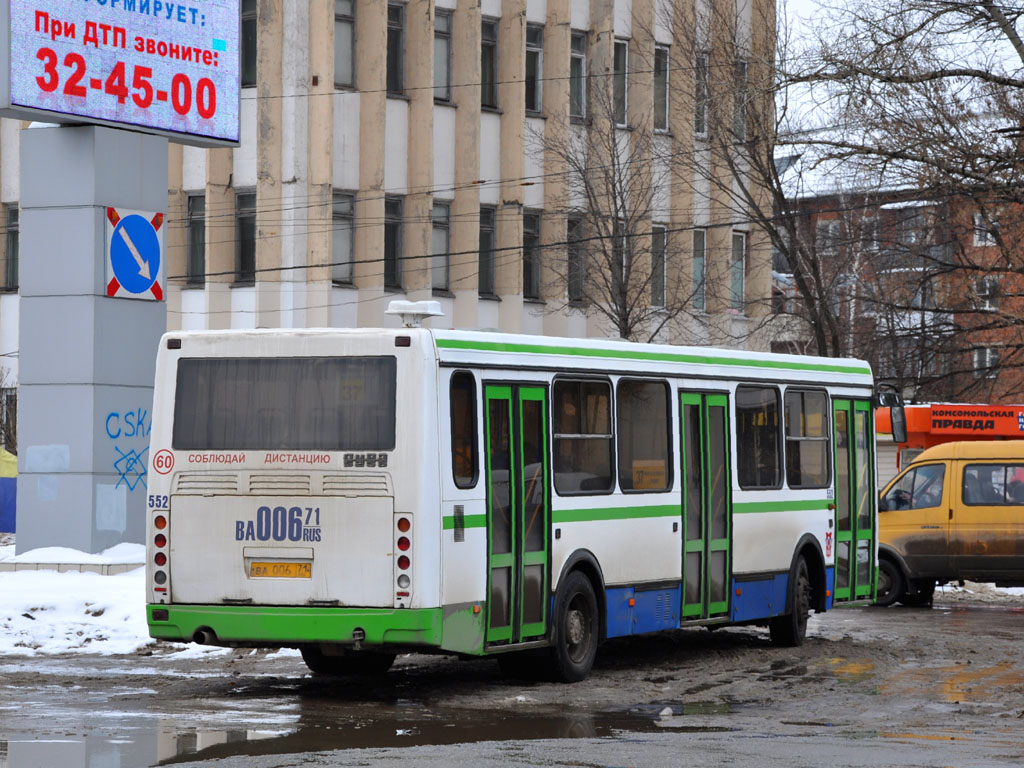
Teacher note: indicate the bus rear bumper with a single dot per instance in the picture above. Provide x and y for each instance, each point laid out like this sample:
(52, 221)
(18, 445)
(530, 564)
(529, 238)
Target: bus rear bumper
(271, 626)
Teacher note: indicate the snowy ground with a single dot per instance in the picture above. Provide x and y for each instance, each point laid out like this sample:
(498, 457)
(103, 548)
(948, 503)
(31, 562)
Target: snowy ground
(46, 612)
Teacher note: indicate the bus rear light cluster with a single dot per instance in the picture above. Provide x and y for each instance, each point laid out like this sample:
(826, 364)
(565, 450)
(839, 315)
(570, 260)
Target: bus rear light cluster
(160, 558)
(403, 543)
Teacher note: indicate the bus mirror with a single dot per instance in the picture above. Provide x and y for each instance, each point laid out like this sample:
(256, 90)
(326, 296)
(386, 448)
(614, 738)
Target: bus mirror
(899, 423)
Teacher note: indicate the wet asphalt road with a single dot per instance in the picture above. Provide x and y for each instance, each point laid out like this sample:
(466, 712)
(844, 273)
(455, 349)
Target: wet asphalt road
(871, 687)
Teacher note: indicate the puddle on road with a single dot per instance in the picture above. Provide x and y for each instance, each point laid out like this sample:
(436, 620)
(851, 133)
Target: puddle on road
(165, 742)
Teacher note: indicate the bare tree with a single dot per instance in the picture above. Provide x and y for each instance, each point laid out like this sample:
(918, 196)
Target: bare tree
(927, 97)
(618, 266)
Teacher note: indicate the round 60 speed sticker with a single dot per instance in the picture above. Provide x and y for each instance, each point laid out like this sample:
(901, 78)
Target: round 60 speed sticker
(163, 462)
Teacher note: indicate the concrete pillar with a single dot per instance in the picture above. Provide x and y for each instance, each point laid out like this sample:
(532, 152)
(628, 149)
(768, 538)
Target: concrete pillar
(320, 149)
(371, 75)
(508, 273)
(269, 163)
(557, 41)
(86, 361)
(419, 82)
(220, 238)
(465, 209)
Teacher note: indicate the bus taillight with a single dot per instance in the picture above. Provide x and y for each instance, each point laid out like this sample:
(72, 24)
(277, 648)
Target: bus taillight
(160, 522)
(160, 559)
(403, 564)
(160, 540)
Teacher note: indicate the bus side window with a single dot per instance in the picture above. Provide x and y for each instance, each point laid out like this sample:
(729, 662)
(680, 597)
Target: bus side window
(642, 419)
(463, 422)
(583, 437)
(807, 439)
(758, 431)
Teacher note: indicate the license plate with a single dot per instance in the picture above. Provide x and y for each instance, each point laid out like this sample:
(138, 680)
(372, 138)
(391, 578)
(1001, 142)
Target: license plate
(267, 570)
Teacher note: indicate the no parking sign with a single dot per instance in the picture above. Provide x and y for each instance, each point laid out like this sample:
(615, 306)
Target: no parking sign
(135, 264)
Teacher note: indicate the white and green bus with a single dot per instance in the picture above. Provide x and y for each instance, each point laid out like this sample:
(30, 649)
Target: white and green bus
(358, 493)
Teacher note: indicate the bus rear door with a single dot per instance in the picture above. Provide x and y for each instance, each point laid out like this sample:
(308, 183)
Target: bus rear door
(518, 513)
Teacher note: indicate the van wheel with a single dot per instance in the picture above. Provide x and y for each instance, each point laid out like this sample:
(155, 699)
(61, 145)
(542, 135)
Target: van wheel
(890, 583)
(924, 594)
(575, 632)
(361, 664)
(791, 629)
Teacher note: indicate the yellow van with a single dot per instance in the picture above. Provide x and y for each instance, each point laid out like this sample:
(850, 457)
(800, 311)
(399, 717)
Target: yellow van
(956, 512)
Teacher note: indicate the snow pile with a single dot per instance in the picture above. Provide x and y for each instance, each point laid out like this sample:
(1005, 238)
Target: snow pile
(46, 612)
(133, 554)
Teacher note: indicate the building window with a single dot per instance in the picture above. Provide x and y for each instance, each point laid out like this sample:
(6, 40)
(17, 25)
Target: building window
(245, 238)
(486, 268)
(869, 233)
(11, 249)
(643, 416)
(699, 283)
(985, 230)
(578, 75)
(531, 255)
(986, 289)
(700, 96)
(439, 243)
(575, 259)
(342, 233)
(534, 66)
(807, 434)
(249, 35)
(661, 88)
(757, 437)
(195, 258)
(620, 91)
(986, 361)
(489, 63)
(737, 271)
(462, 394)
(658, 238)
(9, 419)
(443, 56)
(396, 54)
(583, 437)
(827, 237)
(740, 102)
(393, 242)
(344, 37)
(909, 228)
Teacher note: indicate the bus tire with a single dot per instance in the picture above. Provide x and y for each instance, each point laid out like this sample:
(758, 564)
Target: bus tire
(575, 631)
(348, 664)
(890, 583)
(790, 629)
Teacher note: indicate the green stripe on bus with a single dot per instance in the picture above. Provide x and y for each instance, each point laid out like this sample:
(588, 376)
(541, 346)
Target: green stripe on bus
(470, 521)
(298, 624)
(615, 513)
(664, 357)
(780, 506)
(638, 513)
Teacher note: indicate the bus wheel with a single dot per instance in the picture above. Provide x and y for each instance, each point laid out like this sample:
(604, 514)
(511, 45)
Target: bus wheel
(890, 583)
(363, 664)
(791, 629)
(575, 631)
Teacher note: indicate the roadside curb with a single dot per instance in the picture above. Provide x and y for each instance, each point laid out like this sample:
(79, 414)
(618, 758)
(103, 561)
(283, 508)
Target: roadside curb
(104, 569)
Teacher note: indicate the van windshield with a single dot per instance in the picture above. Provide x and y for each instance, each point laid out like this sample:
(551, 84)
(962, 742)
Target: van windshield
(296, 403)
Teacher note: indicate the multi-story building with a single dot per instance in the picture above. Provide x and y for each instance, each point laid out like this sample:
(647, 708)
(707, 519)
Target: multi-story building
(433, 150)
(927, 289)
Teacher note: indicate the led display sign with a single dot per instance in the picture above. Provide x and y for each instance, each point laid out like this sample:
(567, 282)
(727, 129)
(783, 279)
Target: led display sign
(162, 67)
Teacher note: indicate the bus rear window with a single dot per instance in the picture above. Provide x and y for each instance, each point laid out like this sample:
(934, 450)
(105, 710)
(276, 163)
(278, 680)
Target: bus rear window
(295, 403)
